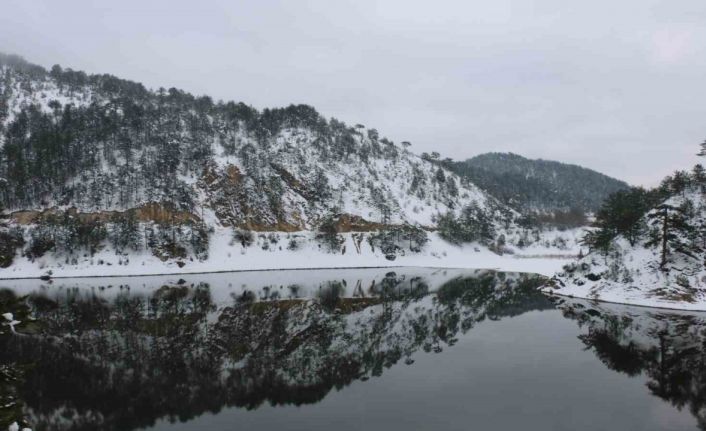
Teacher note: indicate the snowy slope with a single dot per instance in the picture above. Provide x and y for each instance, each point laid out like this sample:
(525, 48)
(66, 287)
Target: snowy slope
(226, 255)
(351, 169)
(81, 154)
(631, 274)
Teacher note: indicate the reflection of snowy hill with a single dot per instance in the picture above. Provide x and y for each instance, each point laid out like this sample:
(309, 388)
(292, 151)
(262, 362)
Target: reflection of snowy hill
(285, 340)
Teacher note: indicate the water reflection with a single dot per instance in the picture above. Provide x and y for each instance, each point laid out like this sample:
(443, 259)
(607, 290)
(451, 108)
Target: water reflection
(120, 357)
(668, 347)
(125, 355)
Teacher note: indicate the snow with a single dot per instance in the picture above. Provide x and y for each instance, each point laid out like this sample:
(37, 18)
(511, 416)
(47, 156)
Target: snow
(644, 328)
(11, 322)
(15, 427)
(359, 185)
(224, 255)
(566, 242)
(630, 274)
(626, 295)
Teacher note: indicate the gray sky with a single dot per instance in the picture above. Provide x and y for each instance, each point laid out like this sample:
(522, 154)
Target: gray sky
(617, 86)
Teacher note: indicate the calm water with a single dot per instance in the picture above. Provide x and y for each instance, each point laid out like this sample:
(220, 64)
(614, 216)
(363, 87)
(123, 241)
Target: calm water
(403, 349)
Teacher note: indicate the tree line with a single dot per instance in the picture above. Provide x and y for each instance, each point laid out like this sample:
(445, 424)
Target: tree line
(671, 228)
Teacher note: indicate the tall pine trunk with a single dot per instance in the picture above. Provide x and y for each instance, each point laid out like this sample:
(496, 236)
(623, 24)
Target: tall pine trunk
(665, 222)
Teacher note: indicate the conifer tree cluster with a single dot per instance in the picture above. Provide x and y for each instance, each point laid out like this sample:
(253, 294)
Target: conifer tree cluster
(536, 186)
(97, 142)
(473, 224)
(642, 217)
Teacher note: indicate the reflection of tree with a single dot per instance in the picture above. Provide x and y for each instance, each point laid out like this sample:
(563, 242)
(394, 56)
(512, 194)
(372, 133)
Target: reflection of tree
(668, 348)
(11, 372)
(123, 363)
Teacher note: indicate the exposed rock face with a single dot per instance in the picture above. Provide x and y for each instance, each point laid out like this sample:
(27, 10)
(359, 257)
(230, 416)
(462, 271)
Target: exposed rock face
(149, 212)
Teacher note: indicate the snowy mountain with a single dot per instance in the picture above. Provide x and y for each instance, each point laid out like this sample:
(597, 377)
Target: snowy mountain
(98, 171)
(98, 143)
(539, 185)
(661, 262)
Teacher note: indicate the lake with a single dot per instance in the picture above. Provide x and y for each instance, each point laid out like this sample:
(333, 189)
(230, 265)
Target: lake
(354, 349)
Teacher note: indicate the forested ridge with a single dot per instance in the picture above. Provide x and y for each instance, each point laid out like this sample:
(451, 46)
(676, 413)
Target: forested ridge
(87, 160)
(98, 142)
(537, 185)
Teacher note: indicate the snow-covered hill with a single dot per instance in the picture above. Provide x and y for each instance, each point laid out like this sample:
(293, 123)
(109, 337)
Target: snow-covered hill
(96, 171)
(278, 167)
(664, 267)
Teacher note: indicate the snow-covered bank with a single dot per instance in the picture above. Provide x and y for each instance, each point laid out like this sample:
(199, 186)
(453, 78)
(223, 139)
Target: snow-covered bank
(663, 267)
(631, 276)
(656, 293)
(274, 251)
(619, 296)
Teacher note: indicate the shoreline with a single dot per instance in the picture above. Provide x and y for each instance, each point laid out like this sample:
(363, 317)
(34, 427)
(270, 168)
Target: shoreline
(629, 304)
(235, 271)
(545, 290)
(225, 256)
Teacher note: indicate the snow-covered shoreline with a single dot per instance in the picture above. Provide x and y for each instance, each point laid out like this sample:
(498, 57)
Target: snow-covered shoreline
(224, 256)
(638, 273)
(630, 302)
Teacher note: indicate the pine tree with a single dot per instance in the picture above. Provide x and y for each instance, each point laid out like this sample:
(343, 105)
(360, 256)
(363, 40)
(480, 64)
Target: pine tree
(680, 182)
(702, 152)
(670, 231)
(621, 214)
(125, 231)
(698, 177)
(328, 234)
(474, 224)
(600, 240)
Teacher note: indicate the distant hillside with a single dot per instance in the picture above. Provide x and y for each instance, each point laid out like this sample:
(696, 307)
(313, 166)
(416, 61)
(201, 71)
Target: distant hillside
(541, 185)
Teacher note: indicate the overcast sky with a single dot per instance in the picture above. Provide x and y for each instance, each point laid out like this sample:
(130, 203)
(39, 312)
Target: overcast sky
(617, 86)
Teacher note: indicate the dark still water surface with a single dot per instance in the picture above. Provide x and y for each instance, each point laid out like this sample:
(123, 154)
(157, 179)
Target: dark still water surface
(388, 349)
